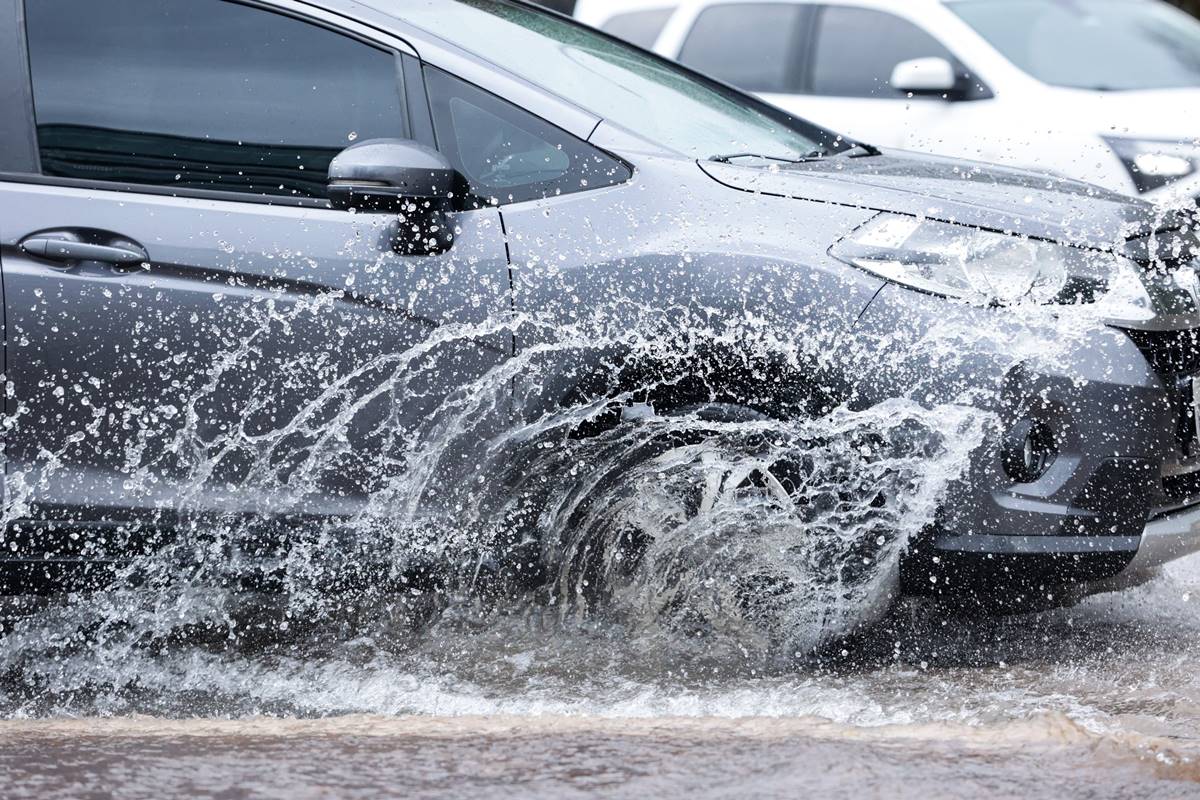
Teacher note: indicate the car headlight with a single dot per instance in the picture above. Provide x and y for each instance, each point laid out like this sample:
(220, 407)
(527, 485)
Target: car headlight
(1155, 164)
(995, 268)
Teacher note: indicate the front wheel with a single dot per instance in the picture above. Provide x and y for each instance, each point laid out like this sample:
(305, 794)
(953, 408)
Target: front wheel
(729, 526)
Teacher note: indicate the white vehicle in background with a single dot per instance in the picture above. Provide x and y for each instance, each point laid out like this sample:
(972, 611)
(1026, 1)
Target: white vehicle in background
(1105, 91)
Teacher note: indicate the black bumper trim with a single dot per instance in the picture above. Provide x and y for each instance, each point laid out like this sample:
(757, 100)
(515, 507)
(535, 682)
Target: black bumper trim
(1036, 545)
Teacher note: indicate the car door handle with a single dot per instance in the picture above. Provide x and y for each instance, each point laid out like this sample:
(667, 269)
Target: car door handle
(67, 250)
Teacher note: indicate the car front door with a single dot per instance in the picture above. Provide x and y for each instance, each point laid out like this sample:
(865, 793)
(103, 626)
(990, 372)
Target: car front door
(189, 322)
(831, 64)
(851, 54)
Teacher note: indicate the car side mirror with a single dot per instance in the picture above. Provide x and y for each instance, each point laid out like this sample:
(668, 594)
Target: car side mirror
(925, 77)
(403, 177)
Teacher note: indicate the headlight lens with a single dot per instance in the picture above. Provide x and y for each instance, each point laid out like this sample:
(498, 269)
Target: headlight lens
(994, 268)
(1155, 164)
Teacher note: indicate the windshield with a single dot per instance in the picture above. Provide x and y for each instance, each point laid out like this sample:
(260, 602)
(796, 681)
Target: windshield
(1092, 44)
(621, 83)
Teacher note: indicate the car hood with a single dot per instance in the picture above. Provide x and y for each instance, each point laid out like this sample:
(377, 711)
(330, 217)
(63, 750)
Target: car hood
(964, 192)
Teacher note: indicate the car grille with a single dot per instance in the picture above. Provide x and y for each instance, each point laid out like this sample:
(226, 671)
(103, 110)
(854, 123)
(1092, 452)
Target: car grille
(1178, 490)
(1170, 353)
(1182, 488)
(1175, 356)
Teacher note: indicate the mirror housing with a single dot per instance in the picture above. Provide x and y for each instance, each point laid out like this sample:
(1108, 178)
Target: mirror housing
(926, 76)
(384, 174)
(403, 177)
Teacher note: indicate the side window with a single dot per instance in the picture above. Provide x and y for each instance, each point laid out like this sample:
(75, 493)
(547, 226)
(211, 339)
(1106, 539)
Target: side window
(857, 49)
(202, 94)
(507, 154)
(753, 46)
(639, 27)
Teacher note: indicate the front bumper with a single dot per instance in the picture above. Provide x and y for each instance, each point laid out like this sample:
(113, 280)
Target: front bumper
(1116, 502)
(1165, 539)
(1028, 573)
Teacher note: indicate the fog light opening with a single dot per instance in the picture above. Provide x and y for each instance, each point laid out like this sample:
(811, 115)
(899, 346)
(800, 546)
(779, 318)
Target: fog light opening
(1028, 450)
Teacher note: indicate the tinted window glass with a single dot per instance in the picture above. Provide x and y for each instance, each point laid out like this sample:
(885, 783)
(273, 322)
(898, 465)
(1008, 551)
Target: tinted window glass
(1092, 44)
(857, 49)
(202, 94)
(750, 46)
(626, 86)
(639, 27)
(507, 154)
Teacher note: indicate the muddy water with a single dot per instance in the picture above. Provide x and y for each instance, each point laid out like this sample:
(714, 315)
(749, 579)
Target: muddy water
(694, 634)
(1102, 700)
(541, 757)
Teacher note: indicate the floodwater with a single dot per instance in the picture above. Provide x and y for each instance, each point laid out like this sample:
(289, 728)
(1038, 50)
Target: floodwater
(1102, 700)
(571, 757)
(696, 629)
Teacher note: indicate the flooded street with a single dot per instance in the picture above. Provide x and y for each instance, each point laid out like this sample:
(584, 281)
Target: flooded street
(1102, 700)
(545, 757)
(445, 398)
(690, 627)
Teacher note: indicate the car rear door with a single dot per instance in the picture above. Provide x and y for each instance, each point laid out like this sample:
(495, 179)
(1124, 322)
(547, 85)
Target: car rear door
(18, 150)
(190, 325)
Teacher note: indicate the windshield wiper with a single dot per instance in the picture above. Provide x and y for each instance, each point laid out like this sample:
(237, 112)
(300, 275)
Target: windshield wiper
(858, 150)
(855, 150)
(731, 157)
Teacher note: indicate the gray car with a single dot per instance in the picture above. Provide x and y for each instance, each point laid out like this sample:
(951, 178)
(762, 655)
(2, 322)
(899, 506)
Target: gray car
(254, 251)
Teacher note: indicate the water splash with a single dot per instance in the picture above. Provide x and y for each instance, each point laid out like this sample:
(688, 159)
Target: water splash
(717, 537)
